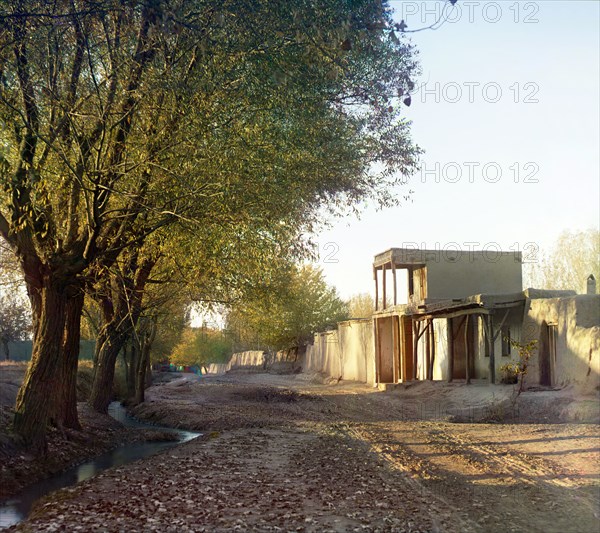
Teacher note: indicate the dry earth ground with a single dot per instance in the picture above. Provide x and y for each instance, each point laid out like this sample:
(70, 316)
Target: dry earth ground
(282, 453)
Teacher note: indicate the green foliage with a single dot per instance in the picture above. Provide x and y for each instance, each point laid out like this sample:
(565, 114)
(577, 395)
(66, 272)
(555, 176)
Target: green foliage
(361, 305)
(214, 132)
(201, 346)
(516, 371)
(15, 311)
(206, 134)
(302, 305)
(244, 116)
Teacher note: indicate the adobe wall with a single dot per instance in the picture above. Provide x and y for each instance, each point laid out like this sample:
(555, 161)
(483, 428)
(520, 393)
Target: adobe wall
(252, 358)
(474, 273)
(217, 368)
(577, 321)
(249, 359)
(257, 359)
(346, 353)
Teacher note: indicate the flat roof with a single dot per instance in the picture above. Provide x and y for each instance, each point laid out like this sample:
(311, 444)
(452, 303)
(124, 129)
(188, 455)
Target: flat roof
(410, 257)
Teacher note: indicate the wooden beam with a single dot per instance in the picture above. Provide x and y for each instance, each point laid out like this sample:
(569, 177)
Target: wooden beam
(416, 335)
(467, 358)
(432, 349)
(454, 314)
(395, 285)
(376, 289)
(491, 348)
(450, 349)
(377, 349)
(401, 355)
(421, 333)
(427, 350)
(394, 350)
(383, 289)
(501, 324)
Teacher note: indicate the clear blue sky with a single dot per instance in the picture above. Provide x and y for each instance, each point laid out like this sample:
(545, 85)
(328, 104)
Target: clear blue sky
(507, 111)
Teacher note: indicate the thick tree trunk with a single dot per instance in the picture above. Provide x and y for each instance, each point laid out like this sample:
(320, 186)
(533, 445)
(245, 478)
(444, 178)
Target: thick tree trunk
(67, 406)
(148, 373)
(140, 378)
(102, 388)
(6, 350)
(132, 365)
(144, 361)
(120, 319)
(39, 392)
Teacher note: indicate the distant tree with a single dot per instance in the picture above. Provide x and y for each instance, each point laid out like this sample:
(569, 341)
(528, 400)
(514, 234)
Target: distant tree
(568, 264)
(15, 312)
(170, 328)
(200, 347)
(15, 320)
(303, 306)
(361, 305)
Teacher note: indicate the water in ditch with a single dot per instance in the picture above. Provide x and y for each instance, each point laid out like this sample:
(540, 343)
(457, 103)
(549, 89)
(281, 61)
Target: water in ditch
(16, 508)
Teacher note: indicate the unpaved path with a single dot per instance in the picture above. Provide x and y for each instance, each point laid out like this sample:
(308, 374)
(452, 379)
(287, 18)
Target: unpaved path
(285, 454)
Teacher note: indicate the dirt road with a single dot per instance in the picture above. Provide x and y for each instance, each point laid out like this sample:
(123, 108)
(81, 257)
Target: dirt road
(283, 454)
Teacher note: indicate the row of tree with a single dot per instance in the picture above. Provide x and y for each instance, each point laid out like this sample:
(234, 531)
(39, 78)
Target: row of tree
(299, 305)
(152, 150)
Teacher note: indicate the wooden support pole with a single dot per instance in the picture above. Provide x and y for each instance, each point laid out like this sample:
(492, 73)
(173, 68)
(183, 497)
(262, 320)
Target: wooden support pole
(377, 349)
(432, 333)
(467, 354)
(416, 327)
(450, 349)
(501, 324)
(427, 350)
(395, 285)
(395, 365)
(401, 354)
(491, 348)
(383, 289)
(376, 289)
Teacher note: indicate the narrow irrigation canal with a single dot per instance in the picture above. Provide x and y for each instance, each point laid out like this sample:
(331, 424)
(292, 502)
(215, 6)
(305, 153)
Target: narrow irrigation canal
(17, 508)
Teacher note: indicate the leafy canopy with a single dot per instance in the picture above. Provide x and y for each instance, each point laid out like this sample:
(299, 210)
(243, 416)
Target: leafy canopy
(290, 316)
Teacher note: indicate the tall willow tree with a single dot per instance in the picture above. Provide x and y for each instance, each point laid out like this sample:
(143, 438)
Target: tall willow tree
(121, 117)
(303, 305)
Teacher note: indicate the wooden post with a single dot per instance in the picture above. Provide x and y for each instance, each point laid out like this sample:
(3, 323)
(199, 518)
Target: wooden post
(427, 349)
(490, 340)
(415, 346)
(401, 369)
(376, 289)
(450, 350)
(377, 348)
(467, 354)
(432, 333)
(395, 287)
(383, 287)
(394, 350)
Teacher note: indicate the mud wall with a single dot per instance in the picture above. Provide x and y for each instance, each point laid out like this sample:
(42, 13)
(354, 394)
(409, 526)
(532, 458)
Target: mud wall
(217, 368)
(252, 358)
(284, 360)
(345, 353)
(570, 354)
(249, 359)
(323, 355)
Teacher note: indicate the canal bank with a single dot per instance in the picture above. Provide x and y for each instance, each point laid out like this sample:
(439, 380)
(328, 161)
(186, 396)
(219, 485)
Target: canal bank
(131, 440)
